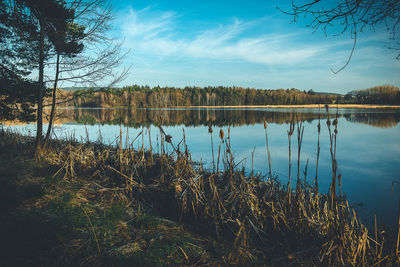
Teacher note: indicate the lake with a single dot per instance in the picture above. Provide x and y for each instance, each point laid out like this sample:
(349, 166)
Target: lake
(368, 144)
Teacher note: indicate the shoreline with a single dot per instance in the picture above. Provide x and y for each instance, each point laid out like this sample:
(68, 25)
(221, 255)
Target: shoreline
(314, 106)
(342, 106)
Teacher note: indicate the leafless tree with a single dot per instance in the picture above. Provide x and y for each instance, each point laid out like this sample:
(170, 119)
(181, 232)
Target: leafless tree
(96, 66)
(352, 16)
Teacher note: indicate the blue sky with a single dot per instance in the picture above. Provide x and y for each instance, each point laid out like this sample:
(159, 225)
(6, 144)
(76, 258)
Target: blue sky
(244, 43)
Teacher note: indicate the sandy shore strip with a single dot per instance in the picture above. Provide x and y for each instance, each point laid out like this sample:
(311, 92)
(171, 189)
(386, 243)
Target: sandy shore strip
(356, 106)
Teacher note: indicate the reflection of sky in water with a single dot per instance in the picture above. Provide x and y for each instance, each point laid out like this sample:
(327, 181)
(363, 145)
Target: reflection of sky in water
(368, 157)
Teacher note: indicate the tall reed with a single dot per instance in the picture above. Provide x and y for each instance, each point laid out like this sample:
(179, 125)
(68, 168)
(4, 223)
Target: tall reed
(318, 151)
(150, 146)
(305, 172)
(398, 238)
(87, 134)
(221, 136)
(269, 155)
(289, 188)
(210, 131)
(332, 150)
(229, 152)
(120, 147)
(127, 137)
(252, 163)
(300, 132)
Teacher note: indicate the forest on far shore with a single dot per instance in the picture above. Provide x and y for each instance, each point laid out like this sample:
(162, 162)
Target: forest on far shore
(145, 96)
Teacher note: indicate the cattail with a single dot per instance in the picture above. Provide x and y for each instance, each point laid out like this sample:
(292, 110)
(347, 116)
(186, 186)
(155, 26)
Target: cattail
(289, 188)
(335, 122)
(291, 128)
(221, 134)
(336, 131)
(210, 130)
(178, 188)
(319, 127)
(168, 138)
(265, 124)
(328, 122)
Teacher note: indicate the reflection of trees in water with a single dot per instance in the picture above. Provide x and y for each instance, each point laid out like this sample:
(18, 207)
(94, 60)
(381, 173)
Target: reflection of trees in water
(218, 117)
(382, 120)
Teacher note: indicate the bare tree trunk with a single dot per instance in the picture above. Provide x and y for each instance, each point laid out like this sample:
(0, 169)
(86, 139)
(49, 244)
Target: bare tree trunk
(53, 104)
(39, 120)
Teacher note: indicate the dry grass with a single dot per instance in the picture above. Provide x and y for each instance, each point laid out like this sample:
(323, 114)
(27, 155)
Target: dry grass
(261, 220)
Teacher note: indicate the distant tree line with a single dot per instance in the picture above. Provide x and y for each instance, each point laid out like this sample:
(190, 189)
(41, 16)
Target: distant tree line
(385, 94)
(223, 96)
(145, 96)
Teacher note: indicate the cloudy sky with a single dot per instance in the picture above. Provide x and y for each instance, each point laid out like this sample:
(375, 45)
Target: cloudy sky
(244, 43)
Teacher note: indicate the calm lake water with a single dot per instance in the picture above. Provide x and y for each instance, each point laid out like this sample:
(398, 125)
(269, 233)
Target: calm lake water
(368, 144)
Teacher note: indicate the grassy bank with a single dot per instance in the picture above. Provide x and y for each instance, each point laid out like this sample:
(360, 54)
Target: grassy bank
(90, 204)
(52, 217)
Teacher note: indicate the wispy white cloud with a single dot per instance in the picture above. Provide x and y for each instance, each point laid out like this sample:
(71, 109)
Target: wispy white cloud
(146, 32)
